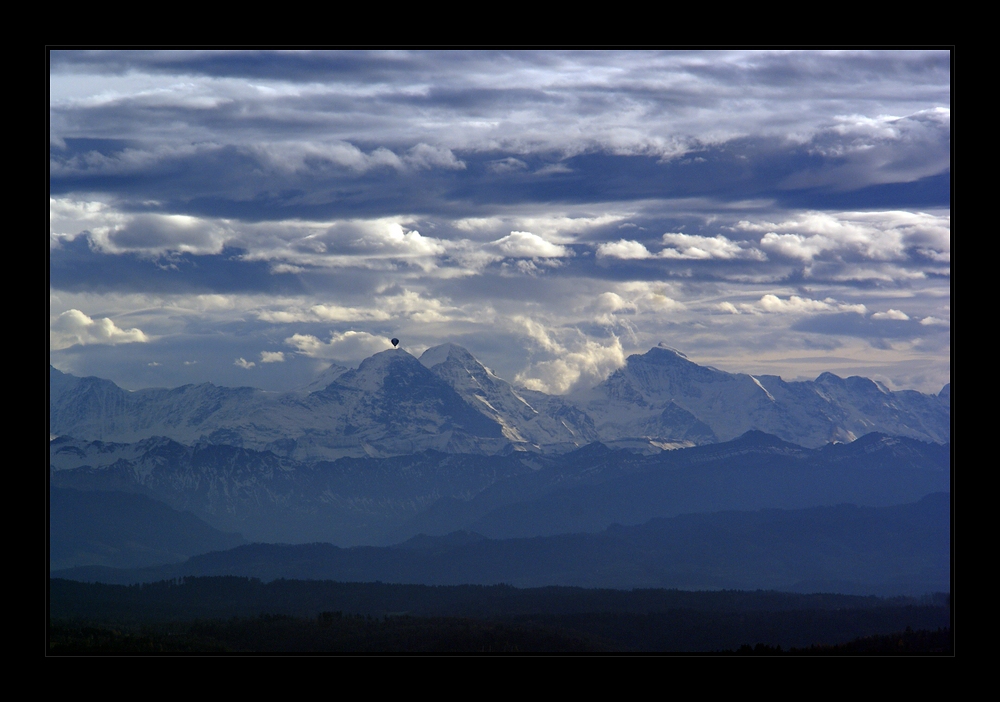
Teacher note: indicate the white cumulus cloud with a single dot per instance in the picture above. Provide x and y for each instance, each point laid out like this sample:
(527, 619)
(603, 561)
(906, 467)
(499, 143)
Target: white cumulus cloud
(877, 236)
(73, 327)
(705, 247)
(349, 345)
(243, 363)
(793, 304)
(272, 356)
(926, 321)
(528, 245)
(624, 249)
(891, 314)
(587, 365)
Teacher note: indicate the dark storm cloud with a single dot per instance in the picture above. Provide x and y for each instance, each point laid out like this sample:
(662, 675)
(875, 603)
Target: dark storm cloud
(867, 327)
(888, 163)
(932, 191)
(76, 266)
(235, 182)
(295, 66)
(861, 69)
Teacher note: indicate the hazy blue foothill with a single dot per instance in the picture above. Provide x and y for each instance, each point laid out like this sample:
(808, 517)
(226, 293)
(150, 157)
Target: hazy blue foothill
(379, 501)
(899, 550)
(125, 530)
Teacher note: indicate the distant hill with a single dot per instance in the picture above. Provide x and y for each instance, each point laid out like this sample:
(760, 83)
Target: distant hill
(125, 530)
(378, 501)
(903, 549)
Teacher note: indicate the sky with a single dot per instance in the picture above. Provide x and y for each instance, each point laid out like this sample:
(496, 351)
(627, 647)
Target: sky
(251, 217)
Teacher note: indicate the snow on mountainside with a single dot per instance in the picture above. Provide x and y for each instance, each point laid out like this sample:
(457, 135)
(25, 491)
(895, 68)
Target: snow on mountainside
(388, 500)
(323, 379)
(663, 394)
(393, 404)
(551, 422)
(389, 405)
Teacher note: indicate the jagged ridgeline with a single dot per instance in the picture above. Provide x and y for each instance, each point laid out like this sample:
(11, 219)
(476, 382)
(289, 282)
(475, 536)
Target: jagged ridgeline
(441, 454)
(395, 404)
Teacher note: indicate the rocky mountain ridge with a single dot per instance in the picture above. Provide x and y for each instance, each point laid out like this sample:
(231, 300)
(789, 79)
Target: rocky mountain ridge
(395, 404)
(354, 501)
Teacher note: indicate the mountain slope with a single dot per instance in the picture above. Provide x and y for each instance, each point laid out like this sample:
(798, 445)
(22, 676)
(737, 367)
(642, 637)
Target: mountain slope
(393, 404)
(274, 498)
(390, 405)
(544, 421)
(663, 395)
(125, 530)
(383, 500)
(588, 490)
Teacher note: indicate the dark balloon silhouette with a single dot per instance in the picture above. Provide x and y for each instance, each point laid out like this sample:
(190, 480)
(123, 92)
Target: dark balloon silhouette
(395, 342)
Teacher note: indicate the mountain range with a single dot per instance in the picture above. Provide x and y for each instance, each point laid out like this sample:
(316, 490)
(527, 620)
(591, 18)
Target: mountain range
(449, 469)
(396, 404)
(355, 501)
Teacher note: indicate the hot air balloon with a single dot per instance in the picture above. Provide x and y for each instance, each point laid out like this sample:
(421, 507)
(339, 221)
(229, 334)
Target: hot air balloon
(395, 343)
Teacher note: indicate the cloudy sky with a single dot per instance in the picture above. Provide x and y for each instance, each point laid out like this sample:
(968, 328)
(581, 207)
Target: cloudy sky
(248, 218)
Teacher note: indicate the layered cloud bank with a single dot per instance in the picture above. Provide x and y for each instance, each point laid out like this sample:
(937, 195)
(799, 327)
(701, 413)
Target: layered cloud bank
(783, 212)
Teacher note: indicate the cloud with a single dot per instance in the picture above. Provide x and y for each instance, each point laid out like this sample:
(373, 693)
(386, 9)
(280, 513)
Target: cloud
(653, 102)
(681, 246)
(507, 165)
(437, 195)
(243, 363)
(349, 345)
(863, 149)
(304, 157)
(876, 331)
(112, 231)
(322, 312)
(891, 314)
(793, 304)
(299, 156)
(926, 321)
(425, 156)
(537, 333)
(574, 361)
(155, 233)
(612, 302)
(74, 327)
(587, 363)
(373, 237)
(554, 226)
(873, 236)
(272, 356)
(702, 247)
(528, 245)
(623, 249)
